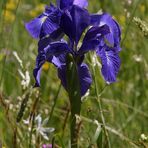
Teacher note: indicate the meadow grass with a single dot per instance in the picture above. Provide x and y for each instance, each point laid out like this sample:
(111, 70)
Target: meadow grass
(120, 108)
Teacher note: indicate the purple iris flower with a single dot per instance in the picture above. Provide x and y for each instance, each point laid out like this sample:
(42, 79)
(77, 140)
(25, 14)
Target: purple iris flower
(48, 21)
(102, 36)
(109, 48)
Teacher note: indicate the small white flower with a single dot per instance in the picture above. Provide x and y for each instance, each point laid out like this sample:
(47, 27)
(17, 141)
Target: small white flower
(25, 78)
(143, 137)
(40, 129)
(138, 58)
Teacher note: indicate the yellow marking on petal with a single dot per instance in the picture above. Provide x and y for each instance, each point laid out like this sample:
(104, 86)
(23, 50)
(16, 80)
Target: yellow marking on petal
(44, 18)
(45, 66)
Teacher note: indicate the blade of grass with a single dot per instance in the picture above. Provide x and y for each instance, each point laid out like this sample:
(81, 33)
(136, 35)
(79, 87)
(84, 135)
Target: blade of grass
(7, 43)
(129, 23)
(100, 107)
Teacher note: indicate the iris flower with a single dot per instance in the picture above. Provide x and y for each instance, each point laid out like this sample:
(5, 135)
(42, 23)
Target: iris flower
(101, 35)
(48, 22)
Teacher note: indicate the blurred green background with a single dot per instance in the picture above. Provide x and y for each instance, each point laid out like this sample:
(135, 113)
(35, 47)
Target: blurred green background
(124, 103)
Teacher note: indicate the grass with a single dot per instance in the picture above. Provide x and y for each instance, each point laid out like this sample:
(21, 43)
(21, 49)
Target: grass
(123, 104)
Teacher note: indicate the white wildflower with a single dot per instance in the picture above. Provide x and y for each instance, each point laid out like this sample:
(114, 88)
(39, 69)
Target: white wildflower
(144, 137)
(40, 129)
(137, 58)
(25, 79)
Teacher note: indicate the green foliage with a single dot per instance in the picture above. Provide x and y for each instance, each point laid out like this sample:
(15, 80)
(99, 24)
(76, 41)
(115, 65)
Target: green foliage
(123, 104)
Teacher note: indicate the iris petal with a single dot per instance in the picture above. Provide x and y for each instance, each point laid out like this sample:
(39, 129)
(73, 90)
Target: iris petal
(57, 48)
(40, 60)
(66, 4)
(59, 60)
(48, 27)
(74, 22)
(45, 24)
(35, 25)
(81, 3)
(93, 38)
(110, 63)
(52, 53)
(115, 32)
(85, 78)
(63, 4)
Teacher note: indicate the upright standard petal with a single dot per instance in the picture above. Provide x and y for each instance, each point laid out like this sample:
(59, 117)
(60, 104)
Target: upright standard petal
(66, 4)
(81, 3)
(85, 78)
(110, 63)
(63, 4)
(74, 22)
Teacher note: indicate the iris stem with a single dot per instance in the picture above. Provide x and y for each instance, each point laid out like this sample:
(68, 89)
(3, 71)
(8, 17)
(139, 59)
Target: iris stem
(73, 86)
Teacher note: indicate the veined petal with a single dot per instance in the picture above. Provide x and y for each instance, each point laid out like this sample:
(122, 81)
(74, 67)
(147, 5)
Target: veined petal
(35, 25)
(48, 27)
(81, 3)
(45, 24)
(85, 78)
(52, 22)
(74, 22)
(110, 63)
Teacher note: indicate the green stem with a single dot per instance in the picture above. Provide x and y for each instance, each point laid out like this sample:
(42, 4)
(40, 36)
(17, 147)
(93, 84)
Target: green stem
(73, 86)
(101, 110)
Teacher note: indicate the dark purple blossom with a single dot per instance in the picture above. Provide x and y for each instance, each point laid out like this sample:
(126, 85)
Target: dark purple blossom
(72, 19)
(49, 20)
